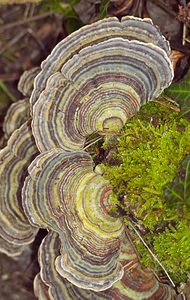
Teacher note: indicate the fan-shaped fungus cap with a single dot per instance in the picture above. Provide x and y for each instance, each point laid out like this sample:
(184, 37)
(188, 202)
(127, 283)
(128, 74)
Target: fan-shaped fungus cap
(141, 283)
(14, 160)
(58, 287)
(62, 193)
(99, 88)
(40, 289)
(137, 283)
(130, 28)
(10, 249)
(26, 81)
(17, 114)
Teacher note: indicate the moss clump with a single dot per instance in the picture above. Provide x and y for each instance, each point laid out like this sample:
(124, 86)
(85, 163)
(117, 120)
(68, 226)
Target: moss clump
(151, 148)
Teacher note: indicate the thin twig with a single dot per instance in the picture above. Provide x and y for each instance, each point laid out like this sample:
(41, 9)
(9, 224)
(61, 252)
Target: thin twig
(32, 9)
(167, 105)
(150, 251)
(20, 36)
(187, 40)
(132, 244)
(94, 142)
(17, 38)
(27, 10)
(91, 140)
(184, 34)
(9, 77)
(171, 100)
(40, 44)
(25, 21)
(7, 92)
(165, 7)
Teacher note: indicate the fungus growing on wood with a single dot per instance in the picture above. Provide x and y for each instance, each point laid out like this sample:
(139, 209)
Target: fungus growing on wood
(10, 249)
(129, 28)
(26, 81)
(62, 193)
(15, 230)
(40, 289)
(51, 281)
(93, 81)
(137, 282)
(101, 86)
(19, 112)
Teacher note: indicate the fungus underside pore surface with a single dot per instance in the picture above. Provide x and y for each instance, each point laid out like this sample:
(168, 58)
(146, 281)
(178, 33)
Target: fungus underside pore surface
(149, 153)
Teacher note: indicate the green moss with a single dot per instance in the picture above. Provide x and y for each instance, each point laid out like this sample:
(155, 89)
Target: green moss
(151, 148)
(172, 248)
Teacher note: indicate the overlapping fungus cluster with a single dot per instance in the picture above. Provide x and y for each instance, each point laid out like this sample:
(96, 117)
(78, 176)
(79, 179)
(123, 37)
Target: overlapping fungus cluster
(93, 81)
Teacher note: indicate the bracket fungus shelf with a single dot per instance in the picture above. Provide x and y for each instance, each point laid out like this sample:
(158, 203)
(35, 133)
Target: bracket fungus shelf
(92, 82)
(129, 28)
(63, 194)
(96, 79)
(15, 228)
(137, 283)
(26, 81)
(19, 112)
